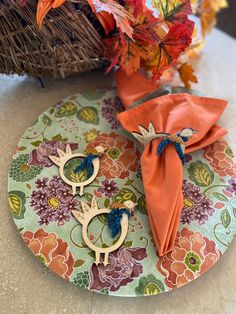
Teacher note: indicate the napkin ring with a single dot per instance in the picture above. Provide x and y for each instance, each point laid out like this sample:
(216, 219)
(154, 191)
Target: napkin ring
(178, 139)
(85, 217)
(91, 163)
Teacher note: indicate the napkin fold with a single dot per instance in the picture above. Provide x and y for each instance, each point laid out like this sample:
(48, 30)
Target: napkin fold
(163, 175)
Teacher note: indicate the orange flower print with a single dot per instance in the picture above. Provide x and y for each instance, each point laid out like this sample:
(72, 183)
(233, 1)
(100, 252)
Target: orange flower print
(51, 251)
(221, 158)
(121, 156)
(193, 255)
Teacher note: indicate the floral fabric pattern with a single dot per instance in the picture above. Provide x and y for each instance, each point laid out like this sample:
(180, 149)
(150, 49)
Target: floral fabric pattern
(197, 207)
(51, 251)
(52, 201)
(21, 170)
(108, 188)
(221, 159)
(110, 109)
(193, 255)
(39, 156)
(123, 268)
(120, 156)
(41, 203)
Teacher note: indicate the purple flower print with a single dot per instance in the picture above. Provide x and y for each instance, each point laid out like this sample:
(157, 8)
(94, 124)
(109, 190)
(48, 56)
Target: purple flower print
(187, 216)
(197, 207)
(39, 197)
(124, 266)
(52, 201)
(41, 183)
(108, 188)
(39, 155)
(110, 109)
(61, 216)
(232, 186)
(70, 204)
(200, 217)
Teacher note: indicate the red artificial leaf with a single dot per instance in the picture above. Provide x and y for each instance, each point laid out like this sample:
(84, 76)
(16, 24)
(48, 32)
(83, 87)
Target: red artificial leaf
(146, 29)
(132, 56)
(106, 19)
(137, 6)
(174, 10)
(113, 47)
(129, 53)
(44, 6)
(186, 74)
(170, 47)
(120, 14)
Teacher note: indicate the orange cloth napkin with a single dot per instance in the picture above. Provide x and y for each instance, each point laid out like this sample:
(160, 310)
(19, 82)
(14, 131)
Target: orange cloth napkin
(163, 175)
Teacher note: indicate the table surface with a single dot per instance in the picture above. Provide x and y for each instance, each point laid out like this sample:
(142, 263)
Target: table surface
(26, 286)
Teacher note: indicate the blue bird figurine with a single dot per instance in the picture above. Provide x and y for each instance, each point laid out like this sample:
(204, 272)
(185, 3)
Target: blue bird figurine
(116, 214)
(87, 163)
(179, 139)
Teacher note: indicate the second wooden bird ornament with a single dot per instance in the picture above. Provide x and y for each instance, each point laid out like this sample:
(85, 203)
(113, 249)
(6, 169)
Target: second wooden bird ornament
(90, 163)
(116, 223)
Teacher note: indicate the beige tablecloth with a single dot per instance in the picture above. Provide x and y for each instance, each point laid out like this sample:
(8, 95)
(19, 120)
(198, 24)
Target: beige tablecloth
(26, 286)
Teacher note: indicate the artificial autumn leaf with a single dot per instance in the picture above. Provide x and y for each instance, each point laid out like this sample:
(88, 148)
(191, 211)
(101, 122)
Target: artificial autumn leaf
(105, 18)
(217, 5)
(186, 74)
(120, 14)
(44, 6)
(113, 47)
(170, 47)
(132, 56)
(208, 10)
(174, 10)
(147, 29)
(137, 6)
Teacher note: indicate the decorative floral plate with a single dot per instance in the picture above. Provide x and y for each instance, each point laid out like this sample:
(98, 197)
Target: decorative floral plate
(41, 203)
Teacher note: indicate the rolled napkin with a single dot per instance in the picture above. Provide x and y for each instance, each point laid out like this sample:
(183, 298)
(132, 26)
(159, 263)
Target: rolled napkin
(162, 168)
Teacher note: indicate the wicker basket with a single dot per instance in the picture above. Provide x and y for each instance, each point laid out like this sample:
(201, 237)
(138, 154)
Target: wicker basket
(68, 43)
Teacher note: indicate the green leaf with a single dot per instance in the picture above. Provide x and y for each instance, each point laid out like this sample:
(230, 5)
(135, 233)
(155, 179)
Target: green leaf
(106, 202)
(79, 263)
(142, 206)
(51, 111)
(125, 194)
(104, 245)
(92, 254)
(20, 229)
(93, 95)
(21, 148)
(129, 182)
(220, 197)
(88, 197)
(114, 241)
(234, 211)
(88, 115)
(17, 201)
(36, 143)
(128, 244)
(103, 218)
(201, 174)
(57, 137)
(225, 218)
(28, 186)
(66, 110)
(46, 120)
